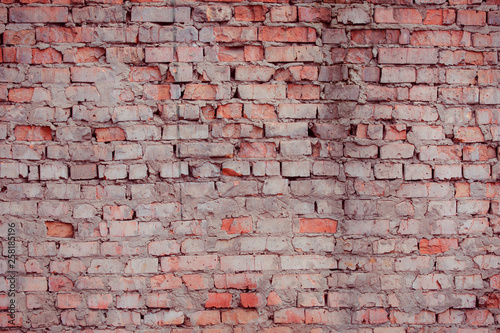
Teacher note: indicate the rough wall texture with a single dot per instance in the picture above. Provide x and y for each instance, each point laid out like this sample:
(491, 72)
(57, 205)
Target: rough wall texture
(274, 166)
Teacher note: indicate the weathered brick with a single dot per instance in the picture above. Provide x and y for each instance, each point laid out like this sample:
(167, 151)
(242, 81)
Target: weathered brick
(21, 37)
(293, 53)
(283, 14)
(64, 35)
(212, 13)
(441, 38)
(95, 14)
(250, 13)
(407, 56)
(471, 17)
(397, 15)
(160, 14)
(38, 14)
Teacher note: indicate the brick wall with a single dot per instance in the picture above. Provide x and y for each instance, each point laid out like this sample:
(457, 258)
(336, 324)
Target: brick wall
(251, 166)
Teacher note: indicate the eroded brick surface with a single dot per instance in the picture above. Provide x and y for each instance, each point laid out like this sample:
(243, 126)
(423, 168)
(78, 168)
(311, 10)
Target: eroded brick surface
(272, 166)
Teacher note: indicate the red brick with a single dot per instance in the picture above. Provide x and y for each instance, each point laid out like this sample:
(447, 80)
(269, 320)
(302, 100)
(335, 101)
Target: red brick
(257, 150)
(462, 190)
(461, 58)
(157, 92)
(281, 34)
(437, 245)
(165, 282)
(441, 38)
(358, 56)
(237, 281)
(468, 134)
(60, 283)
(239, 316)
(196, 282)
(440, 16)
(479, 153)
(47, 56)
(253, 53)
(318, 226)
(230, 111)
(250, 13)
(110, 134)
(259, 111)
(303, 91)
(22, 55)
(32, 133)
(84, 54)
(251, 300)
(315, 14)
(122, 212)
(239, 225)
(235, 34)
(471, 17)
(273, 299)
(370, 316)
(479, 317)
(38, 14)
(293, 53)
(290, 316)
(218, 300)
(21, 37)
(21, 95)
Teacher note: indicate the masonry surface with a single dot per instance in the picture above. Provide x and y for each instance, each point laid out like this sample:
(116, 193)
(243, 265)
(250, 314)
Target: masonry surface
(270, 166)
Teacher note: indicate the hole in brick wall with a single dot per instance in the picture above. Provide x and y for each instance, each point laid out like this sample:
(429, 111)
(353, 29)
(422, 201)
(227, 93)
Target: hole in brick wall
(128, 16)
(310, 132)
(353, 130)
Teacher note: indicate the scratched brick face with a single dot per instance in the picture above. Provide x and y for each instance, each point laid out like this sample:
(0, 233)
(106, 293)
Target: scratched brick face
(234, 166)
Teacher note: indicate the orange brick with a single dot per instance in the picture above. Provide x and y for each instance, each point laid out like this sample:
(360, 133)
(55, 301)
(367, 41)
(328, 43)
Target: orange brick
(257, 150)
(59, 229)
(47, 56)
(240, 225)
(317, 226)
(280, 34)
(32, 133)
(251, 300)
(437, 245)
(21, 95)
(218, 300)
(250, 13)
(109, 134)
